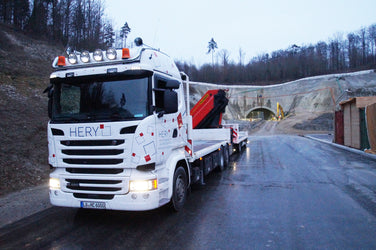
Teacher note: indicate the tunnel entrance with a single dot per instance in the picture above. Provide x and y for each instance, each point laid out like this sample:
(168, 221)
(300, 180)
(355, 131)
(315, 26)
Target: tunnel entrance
(260, 113)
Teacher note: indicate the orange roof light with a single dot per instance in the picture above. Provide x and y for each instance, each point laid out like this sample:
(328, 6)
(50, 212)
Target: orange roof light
(61, 61)
(126, 54)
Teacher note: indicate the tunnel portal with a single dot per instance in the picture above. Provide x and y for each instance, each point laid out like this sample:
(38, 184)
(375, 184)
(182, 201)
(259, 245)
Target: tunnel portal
(262, 113)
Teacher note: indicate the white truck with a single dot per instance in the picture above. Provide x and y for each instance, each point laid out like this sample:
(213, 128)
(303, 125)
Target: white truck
(120, 135)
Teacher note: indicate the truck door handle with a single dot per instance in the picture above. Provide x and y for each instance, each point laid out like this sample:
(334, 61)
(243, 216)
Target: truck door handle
(175, 133)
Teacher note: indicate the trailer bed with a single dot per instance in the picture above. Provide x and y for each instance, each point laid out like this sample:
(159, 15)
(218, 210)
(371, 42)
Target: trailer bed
(203, 148)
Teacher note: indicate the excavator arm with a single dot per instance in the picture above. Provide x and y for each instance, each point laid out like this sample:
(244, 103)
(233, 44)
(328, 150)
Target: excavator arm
(280, 113)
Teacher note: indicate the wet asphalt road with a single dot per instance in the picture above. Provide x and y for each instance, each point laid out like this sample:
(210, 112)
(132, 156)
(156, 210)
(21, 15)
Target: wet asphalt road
(282, 192)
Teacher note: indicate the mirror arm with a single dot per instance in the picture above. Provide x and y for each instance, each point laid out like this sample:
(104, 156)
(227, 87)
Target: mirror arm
(161, 113)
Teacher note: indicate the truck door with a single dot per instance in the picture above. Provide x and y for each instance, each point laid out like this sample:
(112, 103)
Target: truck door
(168, 118)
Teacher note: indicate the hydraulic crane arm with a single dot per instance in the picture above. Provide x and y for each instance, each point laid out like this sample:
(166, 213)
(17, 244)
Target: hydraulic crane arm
(207, 113)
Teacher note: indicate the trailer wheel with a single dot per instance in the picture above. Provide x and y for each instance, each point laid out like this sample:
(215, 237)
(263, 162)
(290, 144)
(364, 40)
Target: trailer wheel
(179, 193)
(221, 163)
(239, 148)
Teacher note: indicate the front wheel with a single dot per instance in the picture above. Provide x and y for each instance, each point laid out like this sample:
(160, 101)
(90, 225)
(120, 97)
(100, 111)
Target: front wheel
(179, 194)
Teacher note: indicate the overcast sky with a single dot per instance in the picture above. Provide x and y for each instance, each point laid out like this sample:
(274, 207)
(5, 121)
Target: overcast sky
(183, 29)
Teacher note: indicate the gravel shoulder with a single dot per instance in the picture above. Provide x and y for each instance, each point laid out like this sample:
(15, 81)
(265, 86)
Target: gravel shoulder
(20, 204)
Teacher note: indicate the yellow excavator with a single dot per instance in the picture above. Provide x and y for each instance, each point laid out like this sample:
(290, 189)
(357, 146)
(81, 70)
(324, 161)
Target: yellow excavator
(280, 114)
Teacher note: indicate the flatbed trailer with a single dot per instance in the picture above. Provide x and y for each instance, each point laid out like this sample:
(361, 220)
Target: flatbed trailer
(211, 147)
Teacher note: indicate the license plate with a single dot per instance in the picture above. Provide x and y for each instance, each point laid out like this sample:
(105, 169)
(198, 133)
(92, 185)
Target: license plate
(93, 204)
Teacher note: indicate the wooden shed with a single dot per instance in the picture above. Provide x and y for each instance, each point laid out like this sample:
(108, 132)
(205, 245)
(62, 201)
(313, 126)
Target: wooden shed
(354, 121)
(371, 126)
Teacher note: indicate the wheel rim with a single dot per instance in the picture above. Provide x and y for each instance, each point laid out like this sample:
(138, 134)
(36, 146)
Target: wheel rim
(180, 188)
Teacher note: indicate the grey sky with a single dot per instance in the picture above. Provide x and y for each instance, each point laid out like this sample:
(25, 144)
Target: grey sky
(183, 28)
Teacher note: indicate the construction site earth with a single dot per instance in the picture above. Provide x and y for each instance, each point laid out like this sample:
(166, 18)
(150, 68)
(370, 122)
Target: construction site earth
(307, 105)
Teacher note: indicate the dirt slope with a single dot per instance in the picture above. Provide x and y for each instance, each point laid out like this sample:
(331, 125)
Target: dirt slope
(25, 65)
(310, 102)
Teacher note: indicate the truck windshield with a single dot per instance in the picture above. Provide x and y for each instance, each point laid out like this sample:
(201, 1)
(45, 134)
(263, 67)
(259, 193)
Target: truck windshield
(98, 101)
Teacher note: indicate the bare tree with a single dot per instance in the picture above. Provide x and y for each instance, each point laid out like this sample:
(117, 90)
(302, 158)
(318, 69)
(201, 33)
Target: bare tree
(362, 34)
(353, 43)
(321, 58)
(372, 39)
(241, 56)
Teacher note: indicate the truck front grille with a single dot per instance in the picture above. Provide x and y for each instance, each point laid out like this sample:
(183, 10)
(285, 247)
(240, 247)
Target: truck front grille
(93, 161)
(95, 170)
(95, 185)
(92, 152)
(89, 143)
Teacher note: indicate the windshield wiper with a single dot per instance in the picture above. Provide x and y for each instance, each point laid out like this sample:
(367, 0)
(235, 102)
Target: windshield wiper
(80, 118)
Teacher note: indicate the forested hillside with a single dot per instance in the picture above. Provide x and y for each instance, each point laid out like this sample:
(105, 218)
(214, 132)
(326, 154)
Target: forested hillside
(79, 24)
(342, 53)
(25, 65)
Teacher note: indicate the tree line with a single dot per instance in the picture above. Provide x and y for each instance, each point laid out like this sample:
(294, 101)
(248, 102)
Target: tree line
(79, 24)
(354, 51)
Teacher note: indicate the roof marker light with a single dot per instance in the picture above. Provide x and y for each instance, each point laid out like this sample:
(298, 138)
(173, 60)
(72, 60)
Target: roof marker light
(111, 54)
(61, 61)
(126, 54)
(98, 55)
(72, 58)
(85, 57)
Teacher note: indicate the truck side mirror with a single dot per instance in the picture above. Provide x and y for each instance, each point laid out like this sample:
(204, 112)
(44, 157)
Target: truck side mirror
(170, 101)
(50, 92)
(50, 108)
(172, 84)
(166, 101)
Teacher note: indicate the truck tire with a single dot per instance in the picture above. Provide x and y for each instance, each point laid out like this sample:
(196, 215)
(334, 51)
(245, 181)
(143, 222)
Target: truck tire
(226, 155)
(180, 191)
(221, 162)
(239, 148)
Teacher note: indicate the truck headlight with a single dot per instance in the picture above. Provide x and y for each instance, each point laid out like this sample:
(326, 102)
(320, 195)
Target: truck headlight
(54, 183)
(143, 185)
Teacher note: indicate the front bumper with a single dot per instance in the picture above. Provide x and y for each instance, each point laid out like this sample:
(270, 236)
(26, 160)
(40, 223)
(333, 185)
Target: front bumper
(132, 201)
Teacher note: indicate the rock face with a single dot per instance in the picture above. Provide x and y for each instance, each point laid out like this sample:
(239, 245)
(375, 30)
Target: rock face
(315, 95)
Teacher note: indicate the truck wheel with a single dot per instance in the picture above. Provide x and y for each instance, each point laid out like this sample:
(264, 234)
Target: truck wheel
(238, 148)
(221, 163)
(226, 156)
(179, 193)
